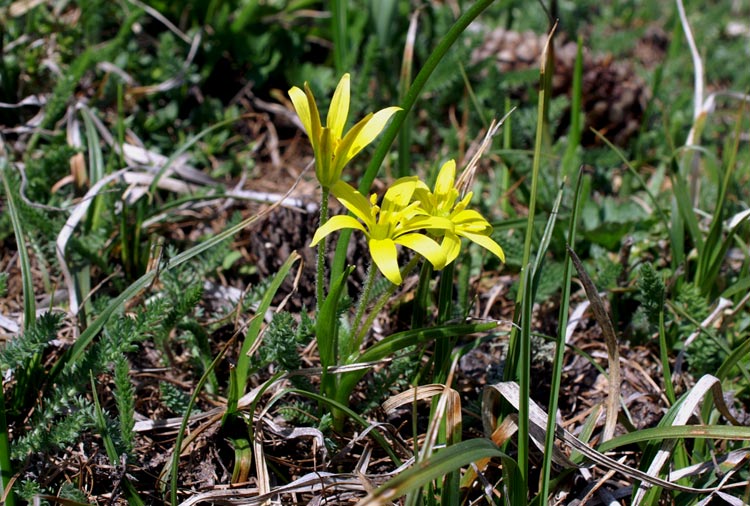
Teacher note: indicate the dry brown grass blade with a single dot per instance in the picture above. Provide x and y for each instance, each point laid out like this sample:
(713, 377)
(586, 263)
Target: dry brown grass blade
(340, 487)
(448, 404)
(610, 339)
(510, 391)
(419, 393)
(465, 180)
(735, 458)
(500, 436)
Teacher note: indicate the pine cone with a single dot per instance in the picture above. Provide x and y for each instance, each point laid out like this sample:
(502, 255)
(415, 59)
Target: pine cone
(614, 98)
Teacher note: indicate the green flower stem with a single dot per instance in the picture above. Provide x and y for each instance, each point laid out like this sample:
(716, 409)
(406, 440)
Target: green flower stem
(360, 335)
(443, 347)
(361, 306)
(391, 132)
(320, 277)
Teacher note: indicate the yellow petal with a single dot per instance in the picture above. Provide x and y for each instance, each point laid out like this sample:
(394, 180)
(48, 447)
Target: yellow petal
(323, 157)
(399, 194)
(427, 222)
(451, 246)
(315, 125)
(446, 178)
(301, 106)
(486, 242)
(353, 201)
(342, 149)
(333, 224)
(339, 109)
(464, 203)
(471, 221)
(372, 129)
(385, 256)
(426, 247)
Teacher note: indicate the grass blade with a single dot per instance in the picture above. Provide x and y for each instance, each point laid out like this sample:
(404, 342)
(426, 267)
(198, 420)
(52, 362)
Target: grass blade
(29, 303)
(557, 364)
(253, 330)
(441, 463)
(513, 358)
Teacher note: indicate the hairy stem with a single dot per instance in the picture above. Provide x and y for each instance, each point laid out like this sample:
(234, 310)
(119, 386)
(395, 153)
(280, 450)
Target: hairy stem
(320, 274)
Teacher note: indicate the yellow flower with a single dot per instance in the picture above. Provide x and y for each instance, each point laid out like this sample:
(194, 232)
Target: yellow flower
(441, 203)
(397, 221)
(332, 148)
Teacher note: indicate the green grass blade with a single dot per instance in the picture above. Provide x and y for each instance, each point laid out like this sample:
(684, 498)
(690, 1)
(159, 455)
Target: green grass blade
(421, 302)
(401, 340)
(438, 465)
(524, 378)
(397, 342)
(576, 94)
(659, 434)
(338, 33)
(443, 347)
(253, 330)
(514, 353)
(29, 303)
(557, 364)
(407, 65)
(546, 239)
(327, 333)
(685, 206)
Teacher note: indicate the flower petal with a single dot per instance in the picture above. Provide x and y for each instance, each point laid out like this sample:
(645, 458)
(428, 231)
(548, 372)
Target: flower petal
(333, 224)
(426, 222)
(323, 156)
(315, 125)
(342, 150)
(301, 106)
(399, 194)
(426, 247)
(451, 246)
(486, 242)
(372, 129)
(446, 178)
(339, 109)
(385, 256)
(464, 203)
(354, 202)
(471, 221)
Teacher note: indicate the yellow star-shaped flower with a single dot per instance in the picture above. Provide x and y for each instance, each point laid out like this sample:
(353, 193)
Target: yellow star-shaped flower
(441, 202)
(397, 222)
(332, 148)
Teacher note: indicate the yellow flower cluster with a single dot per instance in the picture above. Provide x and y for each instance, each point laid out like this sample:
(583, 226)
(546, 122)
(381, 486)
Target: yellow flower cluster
(430, 222)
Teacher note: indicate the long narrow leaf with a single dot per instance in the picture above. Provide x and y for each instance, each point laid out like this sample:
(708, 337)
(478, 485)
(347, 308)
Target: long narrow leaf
(441, 463)
(29, 303)
(560, 346)
(253, 330)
